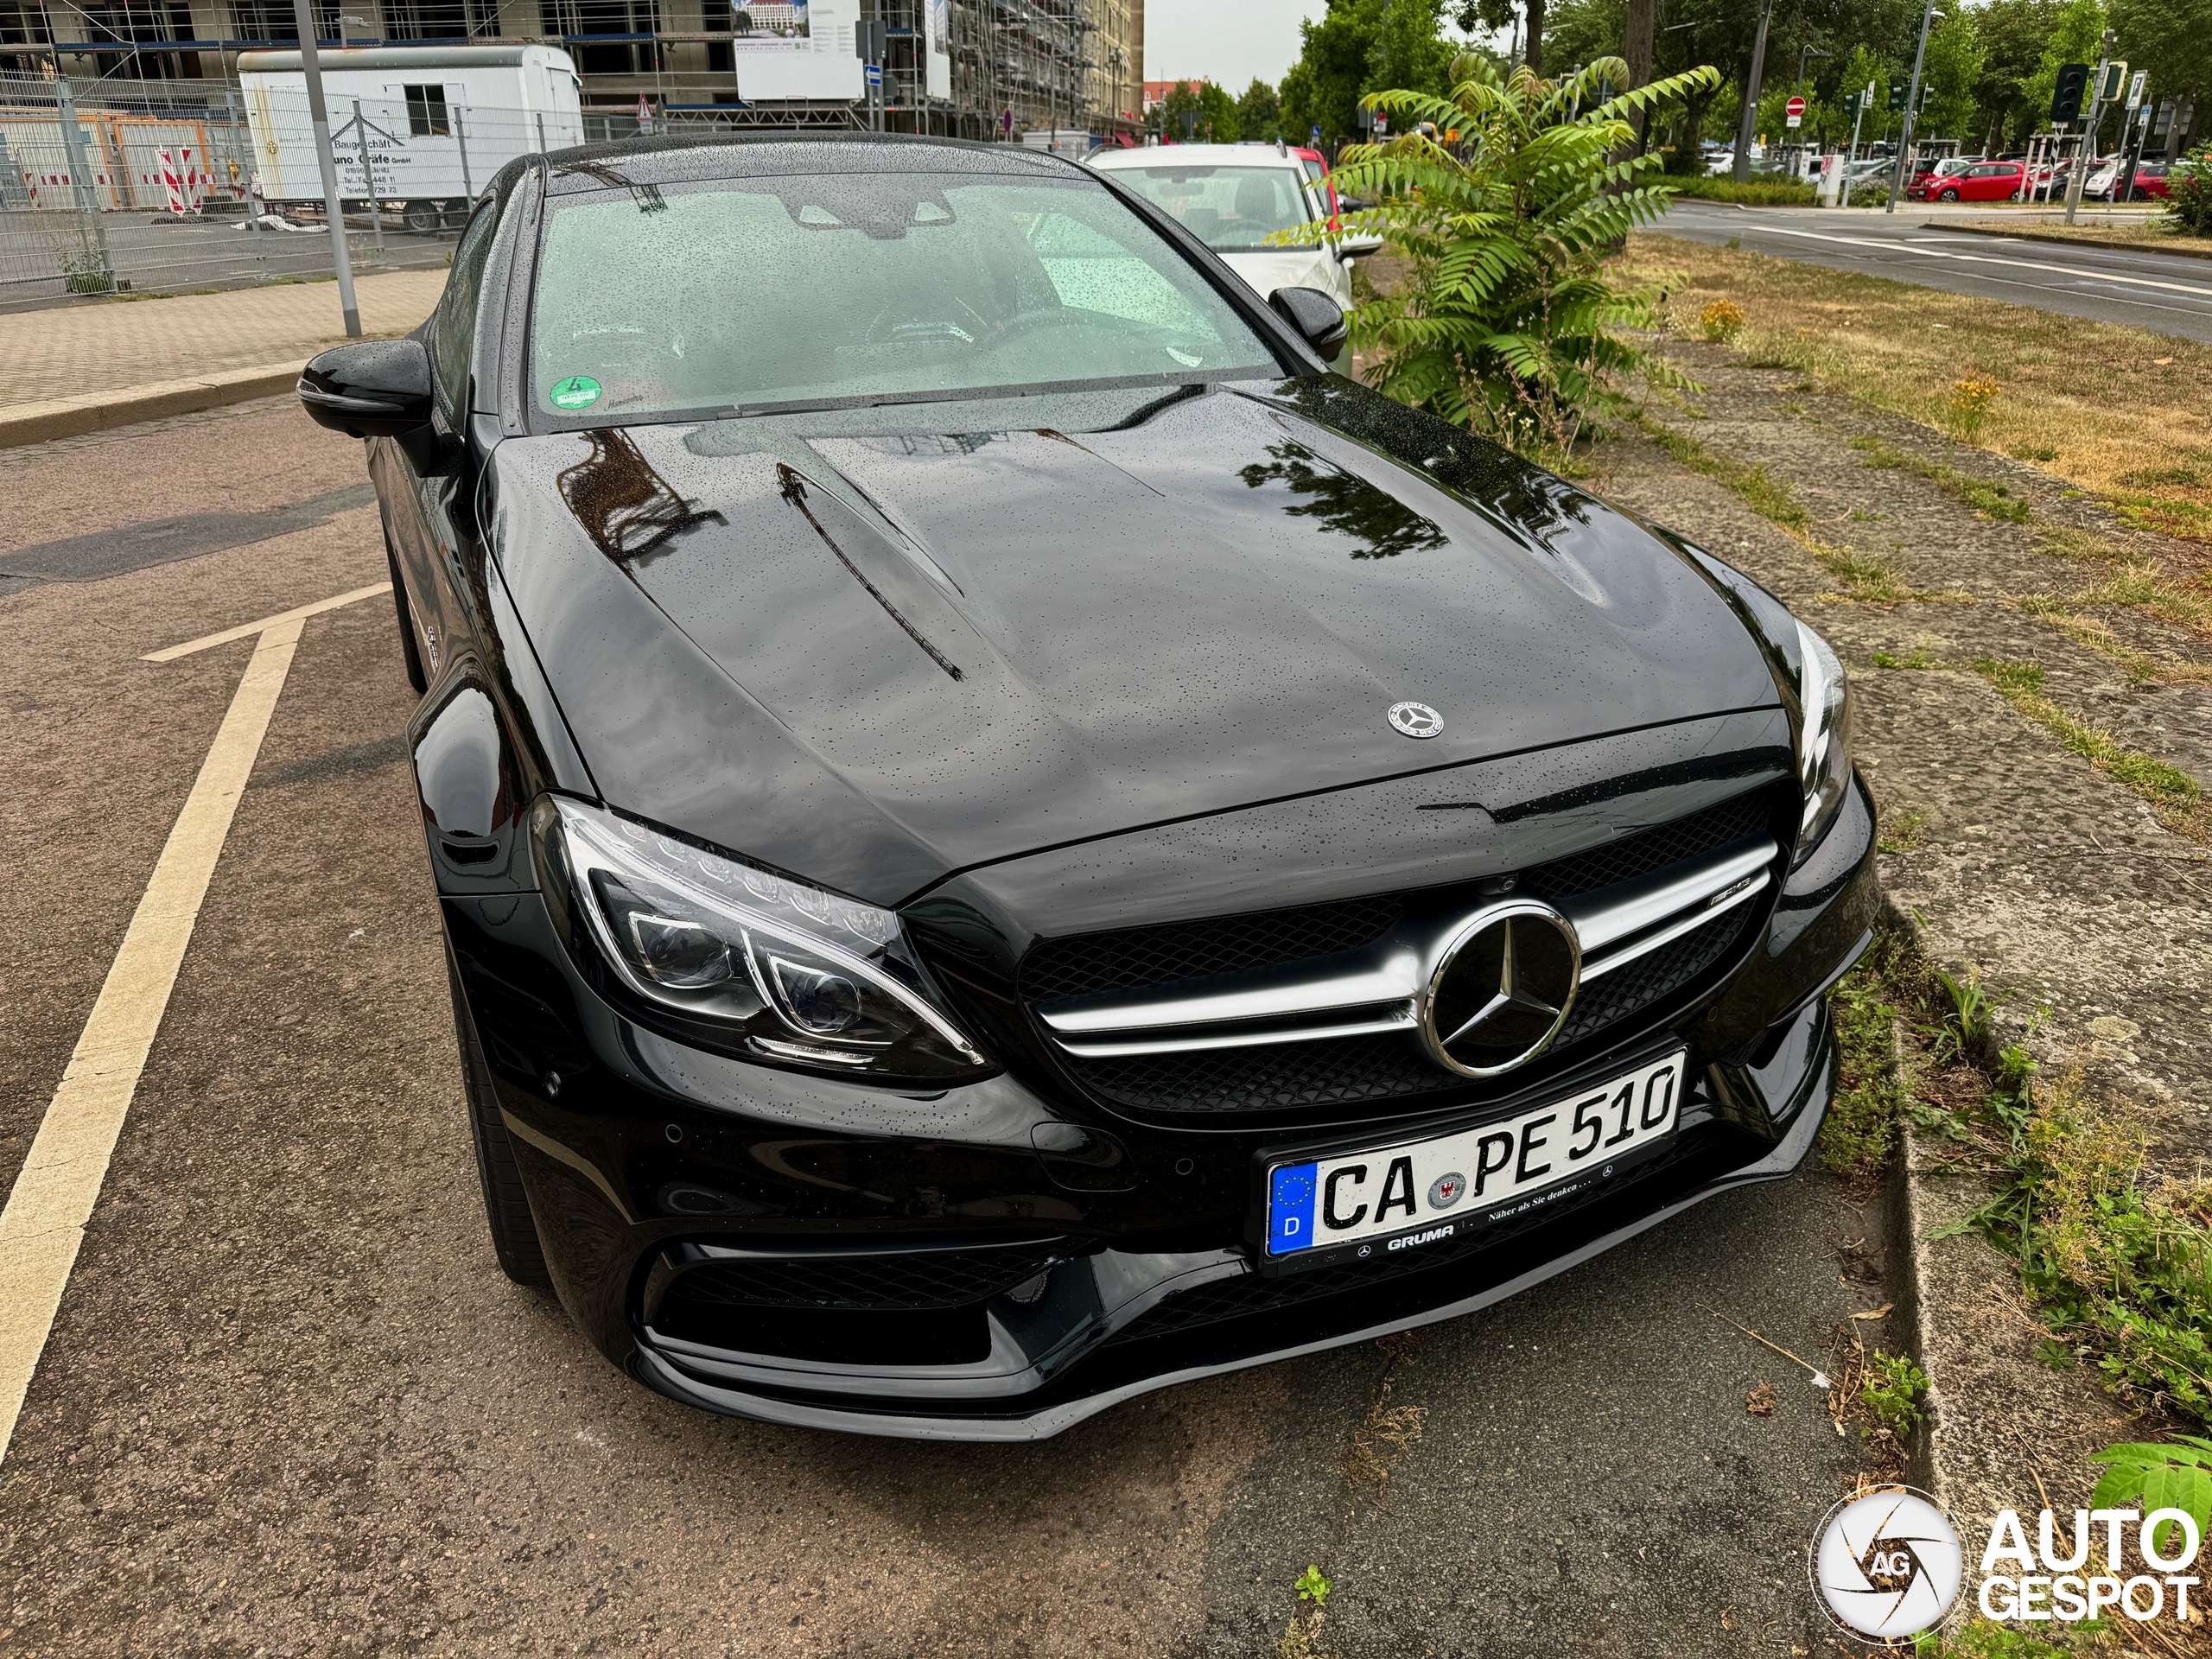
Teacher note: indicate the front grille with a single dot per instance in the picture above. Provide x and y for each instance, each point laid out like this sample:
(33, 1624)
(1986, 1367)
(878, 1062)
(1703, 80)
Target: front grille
(1341, 1071)
(1636, 985)
(1650, 849)
(1152, 955)
(911, 1279)
(1210, 1079)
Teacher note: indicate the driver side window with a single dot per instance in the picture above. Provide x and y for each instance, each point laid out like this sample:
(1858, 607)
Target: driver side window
(455, 328)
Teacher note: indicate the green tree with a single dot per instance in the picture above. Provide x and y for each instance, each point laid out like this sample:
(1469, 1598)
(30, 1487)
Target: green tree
(1354, 48)
(1182, 113)
(1260, 111)
(2076, 36)
(2013, 34)
(1954, 66)
(1511, 326)
(1218, 120)
(2172, 39)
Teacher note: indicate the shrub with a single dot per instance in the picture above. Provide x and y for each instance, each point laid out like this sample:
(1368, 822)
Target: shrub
(1511, 323)
(1720, 321)
(1752, 192)
(2189, 194)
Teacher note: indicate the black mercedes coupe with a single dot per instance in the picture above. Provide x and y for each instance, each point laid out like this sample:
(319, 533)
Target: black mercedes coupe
(1008, 838)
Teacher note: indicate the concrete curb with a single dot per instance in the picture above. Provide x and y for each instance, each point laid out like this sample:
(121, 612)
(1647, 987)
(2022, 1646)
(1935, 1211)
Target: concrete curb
(70, 417)
(2079, 242)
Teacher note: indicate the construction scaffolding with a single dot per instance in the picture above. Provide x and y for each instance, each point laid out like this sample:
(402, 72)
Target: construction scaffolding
(1017, 67)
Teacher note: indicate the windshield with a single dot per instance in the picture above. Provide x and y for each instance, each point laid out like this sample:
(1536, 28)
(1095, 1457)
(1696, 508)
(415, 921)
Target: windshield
(1230, 209)
(751, 294)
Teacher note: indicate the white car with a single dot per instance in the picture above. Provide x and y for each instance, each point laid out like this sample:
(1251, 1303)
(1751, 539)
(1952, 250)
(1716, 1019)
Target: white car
(1233, 197)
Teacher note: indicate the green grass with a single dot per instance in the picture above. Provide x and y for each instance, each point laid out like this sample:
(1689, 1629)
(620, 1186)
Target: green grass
(2172, 793)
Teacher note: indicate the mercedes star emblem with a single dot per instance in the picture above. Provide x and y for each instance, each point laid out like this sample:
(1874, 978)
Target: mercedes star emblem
(1501, 988)
(1416, 718)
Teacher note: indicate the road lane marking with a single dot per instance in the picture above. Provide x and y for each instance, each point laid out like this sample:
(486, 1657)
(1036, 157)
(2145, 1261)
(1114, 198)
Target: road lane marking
(247, 630)
(1981, 258)
(42, 1227)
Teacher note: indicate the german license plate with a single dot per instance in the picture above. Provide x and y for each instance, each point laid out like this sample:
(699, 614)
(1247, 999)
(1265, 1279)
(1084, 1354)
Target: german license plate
(1363, 1204)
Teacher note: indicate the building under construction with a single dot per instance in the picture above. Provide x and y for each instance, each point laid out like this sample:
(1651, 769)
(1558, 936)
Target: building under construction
(1002, 68)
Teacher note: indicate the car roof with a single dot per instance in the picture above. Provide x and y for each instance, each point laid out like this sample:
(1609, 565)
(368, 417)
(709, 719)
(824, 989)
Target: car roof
(685, 158)
(1196, 155)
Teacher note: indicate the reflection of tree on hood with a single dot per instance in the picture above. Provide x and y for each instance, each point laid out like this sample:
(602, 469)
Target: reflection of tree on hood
(1345, 504)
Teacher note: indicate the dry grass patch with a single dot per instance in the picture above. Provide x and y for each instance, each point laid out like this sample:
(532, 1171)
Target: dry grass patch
(2151, 234)
(2121, 411)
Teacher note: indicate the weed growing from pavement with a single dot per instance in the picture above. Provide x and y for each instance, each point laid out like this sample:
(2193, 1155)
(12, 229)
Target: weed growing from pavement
(1891, 1389)
(1387, 1432)
(2143, 667)
(1994, 500)
(1868, 578)
(2117, 1265)
(1969, 411)
(1312, 1587)
(1721, 320)
(2172, 793)
(1861, 1128)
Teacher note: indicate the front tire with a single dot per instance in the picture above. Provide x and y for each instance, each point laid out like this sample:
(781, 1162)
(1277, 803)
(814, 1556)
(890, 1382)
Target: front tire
(506, 1206)
(1948, 195)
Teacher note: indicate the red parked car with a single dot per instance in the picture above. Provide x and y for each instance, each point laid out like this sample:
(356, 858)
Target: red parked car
(1977, 181)
(1317, 172)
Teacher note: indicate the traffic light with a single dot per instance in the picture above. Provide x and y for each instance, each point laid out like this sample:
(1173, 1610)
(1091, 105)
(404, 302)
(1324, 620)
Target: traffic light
(2066, 97)
(1900, 95)
(2114, 83)
(1851, 106)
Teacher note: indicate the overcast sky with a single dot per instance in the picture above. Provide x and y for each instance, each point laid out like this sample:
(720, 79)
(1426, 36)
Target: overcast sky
(1226, 41)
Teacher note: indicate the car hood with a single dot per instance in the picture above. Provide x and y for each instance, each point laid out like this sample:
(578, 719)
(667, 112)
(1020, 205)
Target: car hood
(1290, 268)
(875, 647)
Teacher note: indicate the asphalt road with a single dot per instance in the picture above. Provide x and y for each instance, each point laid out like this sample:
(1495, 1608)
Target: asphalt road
(2170, 293)
(289, 1406)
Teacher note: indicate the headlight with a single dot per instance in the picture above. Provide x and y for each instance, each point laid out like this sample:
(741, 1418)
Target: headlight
(788, 971)
(1824, 744)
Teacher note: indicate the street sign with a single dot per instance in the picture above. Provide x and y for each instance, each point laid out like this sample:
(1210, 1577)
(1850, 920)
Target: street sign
(2135, 89)
(875, 72)
(1315, 134)
(1795, 109)
(2115, 77)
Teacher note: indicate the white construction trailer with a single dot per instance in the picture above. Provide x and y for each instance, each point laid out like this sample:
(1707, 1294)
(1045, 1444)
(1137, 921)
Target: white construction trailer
(418, 130)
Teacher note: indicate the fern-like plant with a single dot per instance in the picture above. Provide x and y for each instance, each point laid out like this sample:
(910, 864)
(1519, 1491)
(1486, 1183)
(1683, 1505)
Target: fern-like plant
(1507, 196)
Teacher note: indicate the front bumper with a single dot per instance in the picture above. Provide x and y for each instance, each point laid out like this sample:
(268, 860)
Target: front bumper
(647, 1161)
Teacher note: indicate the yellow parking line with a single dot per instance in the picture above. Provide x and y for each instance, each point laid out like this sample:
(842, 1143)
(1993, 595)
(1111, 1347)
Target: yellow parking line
(47, 1209)
(247, 630)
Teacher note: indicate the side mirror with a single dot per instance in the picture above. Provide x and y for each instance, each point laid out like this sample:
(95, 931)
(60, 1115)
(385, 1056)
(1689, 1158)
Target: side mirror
(1349, 248)
(369, 388)
(1314, 314)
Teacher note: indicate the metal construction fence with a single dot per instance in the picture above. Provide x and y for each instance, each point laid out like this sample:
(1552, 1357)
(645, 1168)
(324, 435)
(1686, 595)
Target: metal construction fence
(110, 186)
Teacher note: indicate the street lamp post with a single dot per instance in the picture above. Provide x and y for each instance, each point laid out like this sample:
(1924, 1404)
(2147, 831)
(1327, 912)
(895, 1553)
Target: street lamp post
(1912, 106)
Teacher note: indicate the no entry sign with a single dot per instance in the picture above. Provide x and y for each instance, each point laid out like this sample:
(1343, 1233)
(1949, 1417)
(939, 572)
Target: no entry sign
(1795, 110)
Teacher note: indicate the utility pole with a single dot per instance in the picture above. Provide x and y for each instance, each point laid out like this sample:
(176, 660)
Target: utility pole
(1749, 124)
(1858, 117)
(2081, 173)
(1928, 18)
(341, 259)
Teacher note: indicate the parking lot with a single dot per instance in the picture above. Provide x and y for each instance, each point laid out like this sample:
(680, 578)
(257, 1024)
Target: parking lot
(289, 1405)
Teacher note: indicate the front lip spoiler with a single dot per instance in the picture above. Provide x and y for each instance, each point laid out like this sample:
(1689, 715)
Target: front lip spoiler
(656, 1373)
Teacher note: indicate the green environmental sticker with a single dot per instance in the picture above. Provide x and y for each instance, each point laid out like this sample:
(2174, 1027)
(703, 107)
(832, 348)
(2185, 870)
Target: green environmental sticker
(577, 392)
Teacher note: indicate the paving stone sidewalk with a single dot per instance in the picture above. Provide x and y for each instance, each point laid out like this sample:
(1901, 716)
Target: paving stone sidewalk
(68, 351)
(2047, 877)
